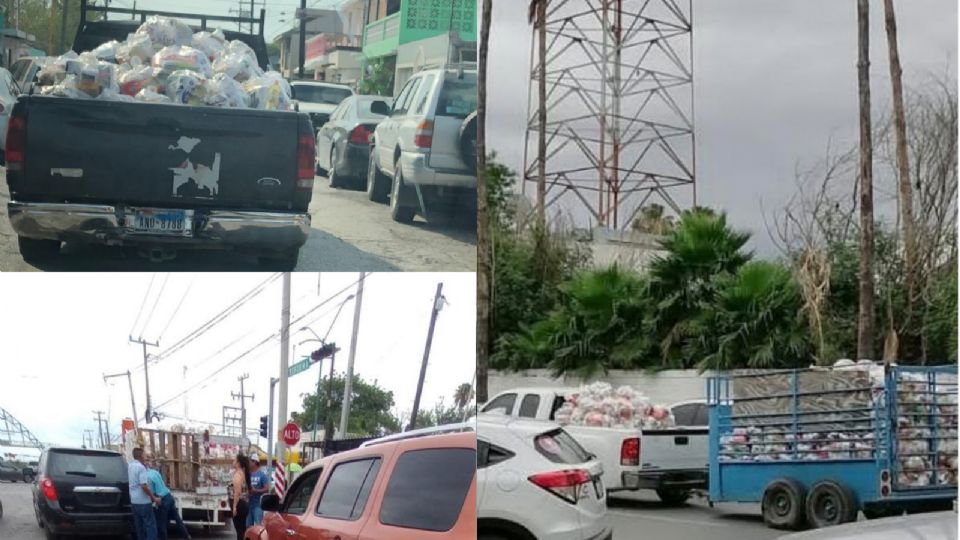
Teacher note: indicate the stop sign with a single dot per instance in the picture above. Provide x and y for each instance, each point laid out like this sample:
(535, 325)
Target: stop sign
(291, 434)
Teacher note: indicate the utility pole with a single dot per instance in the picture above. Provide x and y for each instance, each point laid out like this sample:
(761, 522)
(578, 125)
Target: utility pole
(328, 424)
(243, 404)
(438, 301)
(303, 35)
(271, 424)
(100, 426)
(348, 383)
(133, 404)
(88, 436)
(146, 371)
(284, 360)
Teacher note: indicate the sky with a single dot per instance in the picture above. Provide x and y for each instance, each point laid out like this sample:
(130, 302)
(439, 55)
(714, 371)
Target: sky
(277, 10)
(63, 332)
(774, 82)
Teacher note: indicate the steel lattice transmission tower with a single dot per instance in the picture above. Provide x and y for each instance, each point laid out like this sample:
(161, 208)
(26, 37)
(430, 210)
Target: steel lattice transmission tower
(13, 433)
(620, 131)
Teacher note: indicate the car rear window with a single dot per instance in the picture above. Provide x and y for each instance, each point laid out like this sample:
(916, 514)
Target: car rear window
(319, 94)
(559, 447)
(90, 465)
(346, 492)
(458, 97)
(364, 108)
(428, 488)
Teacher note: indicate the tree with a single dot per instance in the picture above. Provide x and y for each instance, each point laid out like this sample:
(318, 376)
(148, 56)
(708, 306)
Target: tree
(463, 396)
(369, 408)
(378, 79)
(484, 249)
(905, 189)
(653, 220)
(866, 310)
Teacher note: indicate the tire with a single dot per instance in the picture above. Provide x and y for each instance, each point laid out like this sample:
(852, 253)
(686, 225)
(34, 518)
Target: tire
(673, 496)
(1, 510)
(830, 503)
(468, 142)
(27, 479)
(783, 504)
(336, 181)
(50, 535)
(400, 208)
(378, 187)
(38, 250)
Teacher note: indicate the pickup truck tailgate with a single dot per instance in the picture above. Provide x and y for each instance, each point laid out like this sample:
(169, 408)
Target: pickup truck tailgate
(674, 449)
(158, 155)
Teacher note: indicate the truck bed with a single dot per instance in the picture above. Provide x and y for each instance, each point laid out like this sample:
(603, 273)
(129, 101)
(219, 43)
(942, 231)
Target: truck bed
(141, 154)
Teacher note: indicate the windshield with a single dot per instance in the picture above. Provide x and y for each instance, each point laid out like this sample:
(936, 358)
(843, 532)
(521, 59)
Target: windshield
(103, 466)
(330, 95)
(458, 97)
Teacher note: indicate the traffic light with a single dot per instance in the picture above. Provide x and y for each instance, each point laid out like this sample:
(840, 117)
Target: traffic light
(264, 426)
(325, 351)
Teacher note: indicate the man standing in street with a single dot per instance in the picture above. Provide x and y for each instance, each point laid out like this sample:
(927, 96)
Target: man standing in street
(259, 484)
(167, 507)
(142, 498)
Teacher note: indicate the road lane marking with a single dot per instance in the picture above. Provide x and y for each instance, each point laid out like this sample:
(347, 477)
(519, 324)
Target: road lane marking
(669, 519)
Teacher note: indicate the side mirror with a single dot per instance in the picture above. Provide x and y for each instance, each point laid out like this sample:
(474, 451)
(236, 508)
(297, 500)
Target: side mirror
(380, 107)
(270, 503)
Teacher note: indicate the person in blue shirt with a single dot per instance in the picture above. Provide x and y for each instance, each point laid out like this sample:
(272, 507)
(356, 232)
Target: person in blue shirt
(142, 498)
(167, 507)
(259, 484)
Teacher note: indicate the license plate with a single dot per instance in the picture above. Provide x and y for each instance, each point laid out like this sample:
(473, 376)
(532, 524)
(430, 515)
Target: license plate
(165, 222)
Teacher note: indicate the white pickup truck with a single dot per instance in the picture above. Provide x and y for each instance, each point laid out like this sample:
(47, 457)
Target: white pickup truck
(670, 461)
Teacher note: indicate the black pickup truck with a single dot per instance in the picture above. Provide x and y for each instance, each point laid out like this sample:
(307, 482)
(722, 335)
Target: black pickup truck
(158, 177)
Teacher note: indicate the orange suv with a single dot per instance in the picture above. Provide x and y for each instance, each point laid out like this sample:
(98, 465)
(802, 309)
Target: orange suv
(416, 485)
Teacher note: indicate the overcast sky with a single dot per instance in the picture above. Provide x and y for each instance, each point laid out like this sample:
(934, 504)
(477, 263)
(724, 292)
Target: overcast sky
(62, 332)
(775, 80)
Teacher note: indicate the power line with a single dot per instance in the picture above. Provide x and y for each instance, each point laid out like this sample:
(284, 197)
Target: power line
(143, 303)
(177, 309)
(156, 302)
(266, 340)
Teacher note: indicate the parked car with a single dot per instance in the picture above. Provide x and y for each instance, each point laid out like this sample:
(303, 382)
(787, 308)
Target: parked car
(670, 461)
(82, 492)
(536, 481)
(931, 526)
(319, 99)
(693, 412)
(416, 485)
(25, 72)
(156, 178)
(424, 153)
(343, 143)
(11, 473)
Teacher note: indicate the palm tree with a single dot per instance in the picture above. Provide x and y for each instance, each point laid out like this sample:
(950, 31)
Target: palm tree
(865, 273)
(538, 17)
(484, 251)
(462, 396)
(903, 171)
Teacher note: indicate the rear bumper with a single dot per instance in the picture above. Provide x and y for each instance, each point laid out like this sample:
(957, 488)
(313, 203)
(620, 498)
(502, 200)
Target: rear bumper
(677, 479)
(60, 522)
(106, 224)
(355, 160)
(416, 171)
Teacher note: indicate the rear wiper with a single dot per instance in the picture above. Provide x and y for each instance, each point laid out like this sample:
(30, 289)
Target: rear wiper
(82, 473)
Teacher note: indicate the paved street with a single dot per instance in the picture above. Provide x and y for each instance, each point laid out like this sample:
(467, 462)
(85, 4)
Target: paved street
(633, 513)
(350, 233)
(19, 523)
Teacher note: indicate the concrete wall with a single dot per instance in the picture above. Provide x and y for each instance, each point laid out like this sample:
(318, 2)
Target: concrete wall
(669, 386)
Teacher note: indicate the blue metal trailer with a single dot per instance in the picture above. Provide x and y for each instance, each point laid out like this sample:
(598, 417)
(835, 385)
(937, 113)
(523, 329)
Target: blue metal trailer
(816, 446)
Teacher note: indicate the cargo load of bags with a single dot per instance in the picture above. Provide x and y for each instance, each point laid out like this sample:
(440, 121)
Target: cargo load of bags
(599, 405)
(165, 62)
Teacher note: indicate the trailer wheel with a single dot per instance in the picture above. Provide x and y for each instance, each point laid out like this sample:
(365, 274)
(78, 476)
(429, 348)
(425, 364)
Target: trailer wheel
(830, 503)
(783, 504)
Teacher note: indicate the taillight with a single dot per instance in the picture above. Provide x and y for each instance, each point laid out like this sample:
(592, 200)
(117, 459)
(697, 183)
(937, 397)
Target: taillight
(361, 135)
(16, 142)
(568, 485)
(423, 137)
(630, 452)
(306, 161)
(48, 489)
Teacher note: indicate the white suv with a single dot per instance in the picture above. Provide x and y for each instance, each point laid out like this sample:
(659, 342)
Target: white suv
(535, 481)
(424, 152)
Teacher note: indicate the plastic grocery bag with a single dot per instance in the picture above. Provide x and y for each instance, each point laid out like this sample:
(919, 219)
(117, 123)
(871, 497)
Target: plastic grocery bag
(108, 51)
(268, 92)
(56, 71)
(238, 66)
(186, 87)
(136, 79)
(150, 96)
(137, 46)
(165, 32)
(211, 43)
(223, 91)
(176, 58)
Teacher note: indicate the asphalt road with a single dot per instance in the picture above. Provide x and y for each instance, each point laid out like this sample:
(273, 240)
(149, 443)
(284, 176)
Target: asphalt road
(18, 521)
(641, 515)
(349, 234)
